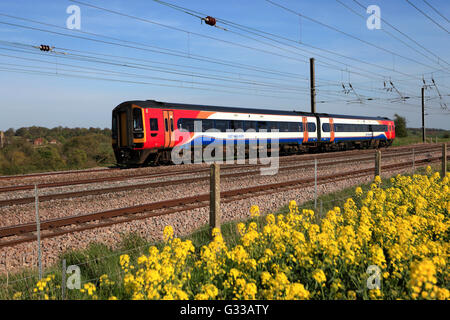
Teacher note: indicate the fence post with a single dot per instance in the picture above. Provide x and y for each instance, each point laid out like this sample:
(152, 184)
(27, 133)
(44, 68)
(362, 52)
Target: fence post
(38, 229)
(214, 196)
(6, 268)
(414, 162)
(321, 208)
(444, 160)
(378, 163)
(63, 281)
(315, 183)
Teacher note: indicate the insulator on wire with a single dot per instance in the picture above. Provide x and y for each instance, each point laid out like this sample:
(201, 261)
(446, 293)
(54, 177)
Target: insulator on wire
(210, 21)
(44, 47)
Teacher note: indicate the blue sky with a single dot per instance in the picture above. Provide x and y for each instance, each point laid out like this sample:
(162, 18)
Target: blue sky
(64, 89)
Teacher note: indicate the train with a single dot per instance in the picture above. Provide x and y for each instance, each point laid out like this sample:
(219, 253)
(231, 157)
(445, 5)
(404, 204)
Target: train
(144, 132)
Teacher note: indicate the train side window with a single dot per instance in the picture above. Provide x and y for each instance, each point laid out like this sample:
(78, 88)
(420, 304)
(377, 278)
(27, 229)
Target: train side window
(326, 127)
(284, 126)
(207, 124)
(137, 119)
(249, 125)
(236, 124)
(114, 127)
(273, 125)
(186, 125)
(221, 125)
(166, 125)
(295, 126)
(153, 124)
(171, 124)
(311, 127)
(262, 125)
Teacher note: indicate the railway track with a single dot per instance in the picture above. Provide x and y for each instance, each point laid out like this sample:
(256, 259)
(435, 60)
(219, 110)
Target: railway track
(160, 184)
(16, 234)
(178, 172)
(56, 173)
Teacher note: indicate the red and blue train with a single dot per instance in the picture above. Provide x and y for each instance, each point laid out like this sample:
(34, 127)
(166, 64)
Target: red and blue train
(145, 132)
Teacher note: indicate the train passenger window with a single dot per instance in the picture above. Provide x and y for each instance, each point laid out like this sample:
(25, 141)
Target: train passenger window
(326, 127)
(171, 124)
(284, 126)
(166, 125)
(153, 124)
(295, 126)
(249, 125)
(273, 125)
(236, 124)
(186, 125)
(207, 124)
(262, 125)
(137, 119)
(114, 127)
(311, 127)
(221, 125)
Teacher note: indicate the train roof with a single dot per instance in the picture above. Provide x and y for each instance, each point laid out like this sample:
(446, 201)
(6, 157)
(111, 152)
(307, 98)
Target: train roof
(183, 106)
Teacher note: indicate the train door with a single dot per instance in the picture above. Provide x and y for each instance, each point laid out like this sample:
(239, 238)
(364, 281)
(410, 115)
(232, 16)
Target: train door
(331, 130)
(123, 132)
(305, 129)
(169, 139)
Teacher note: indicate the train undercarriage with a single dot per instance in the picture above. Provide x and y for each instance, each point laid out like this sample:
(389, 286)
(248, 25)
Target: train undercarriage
(163, 156)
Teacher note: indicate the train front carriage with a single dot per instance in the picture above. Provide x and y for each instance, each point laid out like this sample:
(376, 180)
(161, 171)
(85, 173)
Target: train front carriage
(133, 134)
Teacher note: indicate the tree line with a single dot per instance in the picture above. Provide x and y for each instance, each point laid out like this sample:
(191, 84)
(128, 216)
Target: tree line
(35, 149)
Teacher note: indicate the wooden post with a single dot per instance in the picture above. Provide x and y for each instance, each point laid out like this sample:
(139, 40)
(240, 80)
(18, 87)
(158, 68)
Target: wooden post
(38, 229)
(315, 183)
(6, 268)
(378, 163)
(214, 202)
(444, 160)
(63, 280)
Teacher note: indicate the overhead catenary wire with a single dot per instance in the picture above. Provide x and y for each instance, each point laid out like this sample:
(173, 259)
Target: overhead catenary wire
(138, 66)
(90, 54)
(435, 10)
(435, 60)
(60, 74)
(429, 18)
(149, 48)
(189, 32)
(245, 46)
(156, 78)
(403, 34)
(347, 34)
(276, 38)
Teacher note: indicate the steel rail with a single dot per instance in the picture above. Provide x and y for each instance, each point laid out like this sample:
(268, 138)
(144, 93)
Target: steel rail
(159, 184)
(190, 171)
